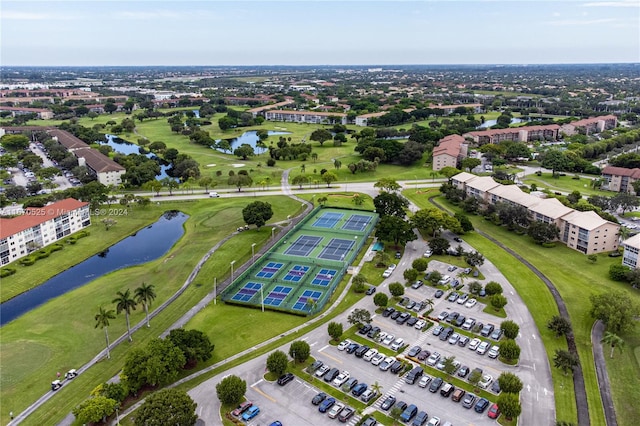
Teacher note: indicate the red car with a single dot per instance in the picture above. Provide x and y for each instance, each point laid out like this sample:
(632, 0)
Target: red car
(494, 411)
(244, 406)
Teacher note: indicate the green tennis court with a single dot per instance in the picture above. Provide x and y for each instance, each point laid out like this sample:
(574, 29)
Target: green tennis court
(302, 270)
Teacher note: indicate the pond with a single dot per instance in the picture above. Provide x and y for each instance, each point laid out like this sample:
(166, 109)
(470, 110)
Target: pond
(251, 138)
(490, 123)
(146, 245)
(122, 146)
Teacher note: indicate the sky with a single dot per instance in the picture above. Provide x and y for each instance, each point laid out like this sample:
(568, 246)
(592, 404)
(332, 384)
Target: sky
(317, 32)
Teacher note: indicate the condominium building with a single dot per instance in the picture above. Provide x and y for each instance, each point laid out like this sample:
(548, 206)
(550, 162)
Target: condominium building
(590, 125)
(41, 113)
(313, 117)
(619, 179)
(38, 227)
(631, 249)
(450, 151)
(516, 134)
(586, 232)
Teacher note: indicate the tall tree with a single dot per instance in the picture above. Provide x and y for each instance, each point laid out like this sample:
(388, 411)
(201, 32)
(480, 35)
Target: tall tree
(359, 317)
(390, 204)
(299, 351)
(194, 344)
(614, 341)
(145, 294)
(321, 136)
(393, 228)
(388, 185)
(232, 388)
(335, 330)
(565, 360)
(102, 320)
(124, 302)
(615, 309)
(277, 362)
(257, 213)
(167, 407)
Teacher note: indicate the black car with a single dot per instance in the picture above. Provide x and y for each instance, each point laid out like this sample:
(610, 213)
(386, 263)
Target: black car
(319, 398)
(388, 403)
(331, 374)
(435, 384)
(371, 290)
(395, 315)
(372, 333)
(481, 405)
(285, 378)
(412, 321)
(452, 317)
(495, 387)
(369, 421)
(388, 311)
(359, 389)
(352, 348)
(365, 329)
(446, 333)
(459, 321)
(398, 255)
(316, 364)
(439, 294)
(361, 351)
(346, 414)
(403, 318)
(401, 405)
(464, 370)
(396, 367)
(457, 239)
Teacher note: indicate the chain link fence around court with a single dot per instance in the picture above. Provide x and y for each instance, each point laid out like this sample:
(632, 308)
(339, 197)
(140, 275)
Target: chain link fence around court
(300, 284)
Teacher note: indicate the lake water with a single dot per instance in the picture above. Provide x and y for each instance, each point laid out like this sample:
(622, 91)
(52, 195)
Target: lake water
(490, 123)
(251, 138)
(147, 244)
(122, 146)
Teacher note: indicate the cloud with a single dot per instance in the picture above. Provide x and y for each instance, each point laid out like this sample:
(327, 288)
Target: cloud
(33, 16)
(579, 22)
(620, 3)
(159, 14)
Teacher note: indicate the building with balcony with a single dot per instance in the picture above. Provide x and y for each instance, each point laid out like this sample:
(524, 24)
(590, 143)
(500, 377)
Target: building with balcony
(590, 125)
(450, 151)
(619, 179)
(313, 117)
(631, 249)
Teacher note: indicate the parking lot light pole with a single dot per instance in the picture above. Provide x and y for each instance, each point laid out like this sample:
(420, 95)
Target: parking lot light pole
(232, 262)
(262, 297)
(253, 253)
(117, 417)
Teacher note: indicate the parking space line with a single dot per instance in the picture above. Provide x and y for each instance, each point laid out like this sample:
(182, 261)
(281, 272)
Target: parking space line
(257, 382)
(333, 358)
(323, 348)
(263, 394)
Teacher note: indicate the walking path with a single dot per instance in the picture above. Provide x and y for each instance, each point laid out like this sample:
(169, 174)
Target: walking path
(597, 332)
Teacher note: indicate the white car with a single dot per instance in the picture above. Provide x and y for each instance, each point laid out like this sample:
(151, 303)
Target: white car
(473, 344)
(428, 253)
(387, 340)
(433, 359)
(483, 348)
(377, 359)
(386, 364)
(387, 273)
(392, 266)
(434, 421)
(214, 195)
(397, 344)
(342, 377)
(494, 352)
(420, 324)
(485, 381)
(444, 280)
(343, 345)
(370, 354)
(380, 337)
(470, 303)
(424, 381)
(335, 410)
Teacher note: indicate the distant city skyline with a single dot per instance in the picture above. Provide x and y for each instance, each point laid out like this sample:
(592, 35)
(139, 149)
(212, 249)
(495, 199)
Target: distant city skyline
(317, 32)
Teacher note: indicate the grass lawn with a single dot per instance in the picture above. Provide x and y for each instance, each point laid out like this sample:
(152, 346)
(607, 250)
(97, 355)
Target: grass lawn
(34, 347)
(575, 278)
(564, 184)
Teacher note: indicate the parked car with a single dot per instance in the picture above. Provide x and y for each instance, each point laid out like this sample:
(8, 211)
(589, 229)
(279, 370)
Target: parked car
(386, 364)
(341, 379)
(422, 356)
(394, 316)
(316, 400)
(370, 290)
(428, 253)
(403, 318)
(409, 413)
(457, 239)
(420, 419)
(436, 383)
(244, 406)
(447, 390)
(438, 294)
(377, 359)
(433, 359)
(361, 351)
(443, 316)
(452, 268)
(434, 421)
(331, 374)
(468, 324)
(395, 367)
(380, 337)
(481, 405)
(397, 344)
(444, 280)
(326, 404)
(494, 411)
(285, 378)
(470, 303)
(322, 370)
(437, 330)
(446, 333)
(365, 329)
(497, 334)
(369, 421)
(485, 381)
(368, 356)
(487, 330)
(462, 342)
(483, 348)
(350, 384)
(368, 395)
(346, 414)
(420, 324)
(414, 375)
(414, 351)
(352, 348)
(417, 284)
(453, 297)
(462, 299)
(398, 255)
(389, 339)
(344, 344)
(388, 311)
(359, 389)
(473, 344)
(463, 371)
(468, 400)
(388, 403)
(454, 338)
(253, 411)
(335, 410)
(457, 395)
(495, 387)
(373, 332)
(494, 352)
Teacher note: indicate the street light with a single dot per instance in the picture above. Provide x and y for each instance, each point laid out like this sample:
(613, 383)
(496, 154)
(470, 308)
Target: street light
(253, 253)
(215, 292)
(232, 262)
(117, 417)
(272, 231)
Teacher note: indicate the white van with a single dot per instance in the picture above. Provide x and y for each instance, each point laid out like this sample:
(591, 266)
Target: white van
(445, 279)
(214, 195)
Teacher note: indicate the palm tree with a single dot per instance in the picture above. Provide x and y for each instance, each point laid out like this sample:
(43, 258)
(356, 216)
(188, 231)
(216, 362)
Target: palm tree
(145, 295)
(614, 340)
(377, 387)
(124, 302)
(102, 320)
(429, 303)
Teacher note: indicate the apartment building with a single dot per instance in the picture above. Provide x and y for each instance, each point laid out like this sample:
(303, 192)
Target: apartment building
(313, 117)
(41, 113)
(619, 179)
(590, 125)
(515, 134)
(450, 151)
(631, 249)
(585, 232)
(39, 227)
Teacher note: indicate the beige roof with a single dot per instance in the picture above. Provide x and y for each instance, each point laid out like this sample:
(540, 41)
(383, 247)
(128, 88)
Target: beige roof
(551, 208)
(632, 242)
(482, 183)
(463, 177)
(323, 114)
(514, 194)
(98, 161)
(588, 220)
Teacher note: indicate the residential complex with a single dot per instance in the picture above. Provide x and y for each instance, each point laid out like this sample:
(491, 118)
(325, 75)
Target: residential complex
(449, 152)
(619, 179)
(590, 125)
(305, 116)
(516, 134)
(585, 232)
(631, 249)
(38, 227)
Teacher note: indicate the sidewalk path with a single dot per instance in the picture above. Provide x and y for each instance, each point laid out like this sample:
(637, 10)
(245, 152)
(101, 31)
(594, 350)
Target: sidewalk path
(601, 373)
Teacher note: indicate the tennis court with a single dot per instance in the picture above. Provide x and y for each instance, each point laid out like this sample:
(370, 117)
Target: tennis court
(324, 277)
(336, 249)
(296, 273)
(301, 304)
(270, 270)
(277, 295)
(303, 246)
(246, 293)
(357, 222)
(328, 220)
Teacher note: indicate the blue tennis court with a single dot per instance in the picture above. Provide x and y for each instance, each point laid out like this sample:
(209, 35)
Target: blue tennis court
(302, 300)
(277, 295)
(328, 220)
(336, 249)
(357, 222)
(246, 293)
(324, 277)
(296, 273)
(269, 270)
(303, 246)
